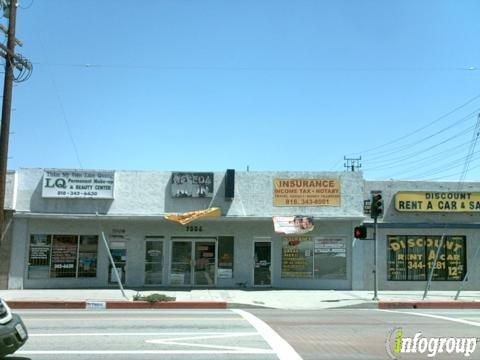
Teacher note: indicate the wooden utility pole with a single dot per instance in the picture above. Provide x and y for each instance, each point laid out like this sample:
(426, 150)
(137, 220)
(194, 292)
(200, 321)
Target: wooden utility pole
(7, 108)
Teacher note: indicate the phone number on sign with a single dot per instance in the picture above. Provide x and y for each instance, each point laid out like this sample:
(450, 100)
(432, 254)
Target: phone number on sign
(77, 193)
(306, 202)
(63, 266)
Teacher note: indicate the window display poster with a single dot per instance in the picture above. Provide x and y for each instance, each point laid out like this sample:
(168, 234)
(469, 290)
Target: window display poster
(297, 257)
(412, 257)
(64, 256)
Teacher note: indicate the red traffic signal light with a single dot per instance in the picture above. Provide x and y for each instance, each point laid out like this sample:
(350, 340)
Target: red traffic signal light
(360, 232)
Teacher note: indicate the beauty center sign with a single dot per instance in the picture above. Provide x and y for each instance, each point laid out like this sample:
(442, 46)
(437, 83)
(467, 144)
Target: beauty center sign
(454, 201)
(80, 184)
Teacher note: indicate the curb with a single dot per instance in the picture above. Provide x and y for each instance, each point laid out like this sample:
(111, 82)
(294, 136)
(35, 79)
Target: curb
(58, 304)
(46, 304)
(439, 304)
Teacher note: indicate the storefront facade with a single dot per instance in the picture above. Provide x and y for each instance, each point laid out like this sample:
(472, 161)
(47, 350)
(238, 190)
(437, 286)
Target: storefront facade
(63, 218)
(425, 223)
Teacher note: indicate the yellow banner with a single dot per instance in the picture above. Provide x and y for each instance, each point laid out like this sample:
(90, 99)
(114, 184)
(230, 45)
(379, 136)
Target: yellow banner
(306, 192)
(187, 217)
(454, 201)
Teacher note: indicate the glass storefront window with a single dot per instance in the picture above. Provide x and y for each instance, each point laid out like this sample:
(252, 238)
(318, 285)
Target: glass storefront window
(297, 257)
(225, 257)
(330, 258)
(39, 257)
(433, 245)
(456, 258)
(58, 256)
(64, 256)
(397, 253)
(87, 256)
(415, 258)
(181, 267)
(411, 257)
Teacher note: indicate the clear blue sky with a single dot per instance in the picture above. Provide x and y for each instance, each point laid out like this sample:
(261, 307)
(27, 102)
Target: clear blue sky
(272, 84)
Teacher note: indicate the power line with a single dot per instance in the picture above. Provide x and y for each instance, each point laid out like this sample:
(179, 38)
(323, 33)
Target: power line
(416, 131)
(258, 68)
(65, 119)
(424, 160)
(410, 156)
(409, 146)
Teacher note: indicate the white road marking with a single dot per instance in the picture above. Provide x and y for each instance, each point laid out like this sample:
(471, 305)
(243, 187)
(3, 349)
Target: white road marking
(241, 349)
(140, 334)
(462, 321)
(282, 348)
(202, 337)
(137, 352)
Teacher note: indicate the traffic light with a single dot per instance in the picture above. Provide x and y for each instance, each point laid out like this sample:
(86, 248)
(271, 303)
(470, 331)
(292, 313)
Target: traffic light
(360, 232)
(376, 208)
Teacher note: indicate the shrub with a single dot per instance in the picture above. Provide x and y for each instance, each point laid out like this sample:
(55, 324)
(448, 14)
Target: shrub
(153, 298)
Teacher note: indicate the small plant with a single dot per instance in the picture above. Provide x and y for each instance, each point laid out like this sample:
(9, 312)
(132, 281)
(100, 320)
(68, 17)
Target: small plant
(153, 298)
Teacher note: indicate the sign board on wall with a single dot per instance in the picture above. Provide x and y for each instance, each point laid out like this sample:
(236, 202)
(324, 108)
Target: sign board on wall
(80, 184)
(192, 184)
(422, 201)
(306, 192)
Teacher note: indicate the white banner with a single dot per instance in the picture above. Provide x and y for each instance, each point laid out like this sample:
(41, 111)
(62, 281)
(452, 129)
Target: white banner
(329, 245)
(298, 224)
(81, 184)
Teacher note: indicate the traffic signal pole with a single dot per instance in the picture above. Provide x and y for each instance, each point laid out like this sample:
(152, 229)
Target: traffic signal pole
(376, 210)
(375, 279)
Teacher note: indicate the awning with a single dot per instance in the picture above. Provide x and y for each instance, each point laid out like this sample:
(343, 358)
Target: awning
(187, 217)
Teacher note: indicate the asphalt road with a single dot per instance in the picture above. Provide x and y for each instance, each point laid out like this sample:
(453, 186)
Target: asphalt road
(365, 333)
(148, 334)
(236, 334)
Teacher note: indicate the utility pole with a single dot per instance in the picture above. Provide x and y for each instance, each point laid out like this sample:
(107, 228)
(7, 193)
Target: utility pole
(13, 62)
(7, 107)
(352, 164)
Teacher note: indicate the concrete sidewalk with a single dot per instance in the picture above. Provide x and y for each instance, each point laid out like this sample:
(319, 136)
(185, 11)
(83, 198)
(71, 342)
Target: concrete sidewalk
(223, 298)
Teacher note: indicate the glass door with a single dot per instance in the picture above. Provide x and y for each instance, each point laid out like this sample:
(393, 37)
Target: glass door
(153, 262)
(205, 263)
(181, 267)
(118, 249)
(194, 262)
(262, 275)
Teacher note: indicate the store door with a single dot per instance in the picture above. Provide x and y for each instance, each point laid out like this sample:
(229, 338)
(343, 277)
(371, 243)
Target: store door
(118, 249)
(262, 274)
(194, 262)
(153, 262)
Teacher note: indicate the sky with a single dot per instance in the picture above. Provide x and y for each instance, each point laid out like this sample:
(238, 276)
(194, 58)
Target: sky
(268, 85)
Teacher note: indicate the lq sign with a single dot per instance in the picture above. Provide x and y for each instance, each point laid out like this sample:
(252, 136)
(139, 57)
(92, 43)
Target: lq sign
(78, 184)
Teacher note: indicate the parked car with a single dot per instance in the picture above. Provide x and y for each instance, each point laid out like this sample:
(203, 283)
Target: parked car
(13, 333)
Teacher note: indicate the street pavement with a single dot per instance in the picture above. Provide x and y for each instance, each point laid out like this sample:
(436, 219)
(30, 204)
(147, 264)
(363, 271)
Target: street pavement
(351, 334)
(147, 334)
(268, 298)
(256, 333)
